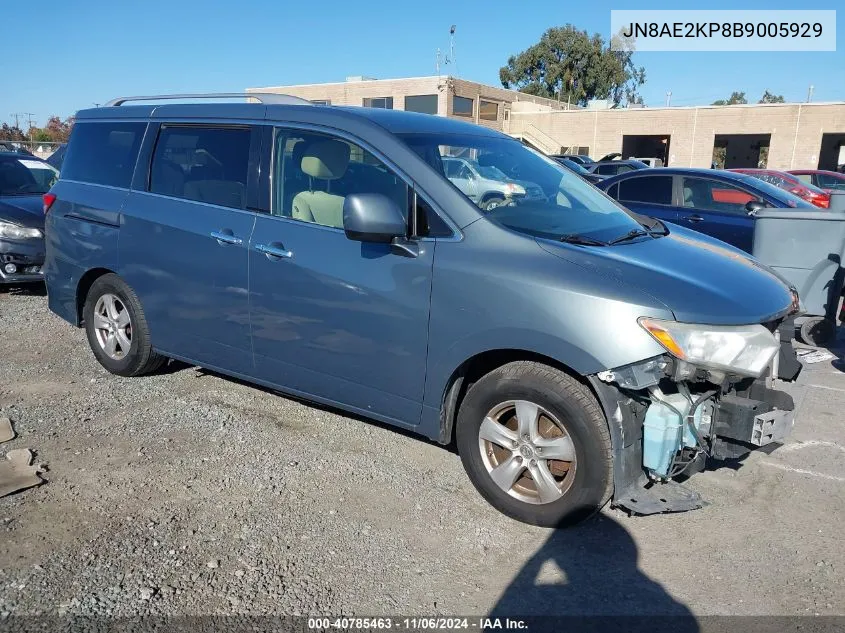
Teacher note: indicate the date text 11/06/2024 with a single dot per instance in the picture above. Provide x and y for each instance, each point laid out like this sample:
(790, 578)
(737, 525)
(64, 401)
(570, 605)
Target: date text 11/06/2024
(416, 624)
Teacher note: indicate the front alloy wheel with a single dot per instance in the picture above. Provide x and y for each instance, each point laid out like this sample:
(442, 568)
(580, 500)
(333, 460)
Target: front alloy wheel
(535, 443)
(527, 451)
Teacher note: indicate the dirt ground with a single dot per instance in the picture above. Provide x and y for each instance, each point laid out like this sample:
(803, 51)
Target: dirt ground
(189, 493)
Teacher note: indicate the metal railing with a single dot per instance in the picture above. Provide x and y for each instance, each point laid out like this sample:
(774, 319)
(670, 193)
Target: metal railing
(550, 145)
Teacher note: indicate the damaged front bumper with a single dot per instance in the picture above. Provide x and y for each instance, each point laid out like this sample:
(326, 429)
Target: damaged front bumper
(21, 261)
(663, 425)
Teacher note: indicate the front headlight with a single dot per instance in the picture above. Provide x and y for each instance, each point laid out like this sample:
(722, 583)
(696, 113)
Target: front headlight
(15, 232)
(739, 349)
(515, 189)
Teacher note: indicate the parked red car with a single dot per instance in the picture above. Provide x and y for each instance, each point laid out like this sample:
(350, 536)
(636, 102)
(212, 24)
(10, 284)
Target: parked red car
(792, 184)
(821, 178)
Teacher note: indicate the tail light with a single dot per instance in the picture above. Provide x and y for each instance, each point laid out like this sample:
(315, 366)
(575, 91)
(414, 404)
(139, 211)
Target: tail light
(49, 199)
(822, 201)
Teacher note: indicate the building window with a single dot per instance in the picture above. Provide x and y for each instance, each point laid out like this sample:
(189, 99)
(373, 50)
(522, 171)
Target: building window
(321, 101)
(427, 104)
(386, 103)
(462, 106)
(488, 110)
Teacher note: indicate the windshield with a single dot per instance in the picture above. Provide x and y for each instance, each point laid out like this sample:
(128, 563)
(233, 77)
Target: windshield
(571, 164)
(491, 172)
(782, 195)
(25, 176)
(552, 202)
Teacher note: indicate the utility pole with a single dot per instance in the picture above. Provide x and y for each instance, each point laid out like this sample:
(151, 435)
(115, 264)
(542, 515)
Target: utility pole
(668, 98)
(29, 116)
(18, 116)
(810, 93)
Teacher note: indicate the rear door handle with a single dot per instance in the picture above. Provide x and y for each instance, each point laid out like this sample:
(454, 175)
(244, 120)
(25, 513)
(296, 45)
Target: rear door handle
(694, 218)
(274, 252)
(226, 237)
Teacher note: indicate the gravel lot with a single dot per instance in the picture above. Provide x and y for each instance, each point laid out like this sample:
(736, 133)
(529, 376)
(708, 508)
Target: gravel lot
(189, 493)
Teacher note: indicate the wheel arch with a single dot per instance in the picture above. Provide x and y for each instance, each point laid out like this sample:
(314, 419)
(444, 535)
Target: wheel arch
(479, 365)
(622, 416)
(85, 282)
(491, 194)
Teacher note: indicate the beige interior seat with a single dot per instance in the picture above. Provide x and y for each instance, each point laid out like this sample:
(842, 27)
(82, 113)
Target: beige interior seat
(323, 160)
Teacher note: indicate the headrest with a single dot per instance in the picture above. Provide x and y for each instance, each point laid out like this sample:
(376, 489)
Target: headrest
(298, 152)
(326, 160)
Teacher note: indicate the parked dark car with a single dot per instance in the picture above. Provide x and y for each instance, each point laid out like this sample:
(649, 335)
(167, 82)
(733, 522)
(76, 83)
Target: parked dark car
(615, 167)
(579, 169)
(581, 159)
(57, 158)
(715, 202)
(792, 184)
(573, 352)
(23, 180)
(821, 178)
(14, 148)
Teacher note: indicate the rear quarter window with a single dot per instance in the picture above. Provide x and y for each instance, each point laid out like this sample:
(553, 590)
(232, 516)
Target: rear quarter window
(646, 189)
(103, 153)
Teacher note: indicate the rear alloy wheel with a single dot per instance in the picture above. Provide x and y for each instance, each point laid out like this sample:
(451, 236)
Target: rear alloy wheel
(117, 329)
(112, 326)
(535, 444)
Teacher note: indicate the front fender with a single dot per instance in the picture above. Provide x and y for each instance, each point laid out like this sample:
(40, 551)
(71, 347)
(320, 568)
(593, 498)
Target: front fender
(442, 368)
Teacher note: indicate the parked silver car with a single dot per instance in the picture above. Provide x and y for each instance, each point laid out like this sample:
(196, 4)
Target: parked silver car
(487, 185)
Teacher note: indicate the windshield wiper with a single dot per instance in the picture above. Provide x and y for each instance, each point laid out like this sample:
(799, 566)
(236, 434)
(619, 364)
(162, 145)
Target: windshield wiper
(635, 233)
(575, 238)
(651, 223)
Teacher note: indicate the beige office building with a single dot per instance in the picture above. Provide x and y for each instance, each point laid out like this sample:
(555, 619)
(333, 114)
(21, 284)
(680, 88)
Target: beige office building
(443, 95)
(778, 136)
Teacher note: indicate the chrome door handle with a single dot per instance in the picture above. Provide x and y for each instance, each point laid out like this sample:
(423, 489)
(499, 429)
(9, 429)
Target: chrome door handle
(226, 238)
(694, 218)
(273, 251)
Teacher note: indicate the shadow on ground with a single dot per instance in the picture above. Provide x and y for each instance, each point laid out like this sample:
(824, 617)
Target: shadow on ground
(586, 578)
(37, 289)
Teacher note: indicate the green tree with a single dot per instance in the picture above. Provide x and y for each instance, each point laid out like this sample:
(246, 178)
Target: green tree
(571, 65)
(735, 99)
(39, 134)
(768, 97)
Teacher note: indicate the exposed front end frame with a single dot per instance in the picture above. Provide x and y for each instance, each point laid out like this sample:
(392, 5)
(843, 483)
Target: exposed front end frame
(667, 419)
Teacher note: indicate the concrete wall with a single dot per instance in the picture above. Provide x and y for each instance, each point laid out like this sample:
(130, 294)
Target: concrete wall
(796, 129)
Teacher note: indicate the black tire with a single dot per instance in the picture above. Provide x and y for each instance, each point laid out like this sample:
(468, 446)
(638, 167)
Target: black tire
(572, 403)
(818, 331)
(491, 202)
(141, 358)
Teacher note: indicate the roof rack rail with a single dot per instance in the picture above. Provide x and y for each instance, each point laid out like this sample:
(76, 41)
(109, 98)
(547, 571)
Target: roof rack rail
(262, 97)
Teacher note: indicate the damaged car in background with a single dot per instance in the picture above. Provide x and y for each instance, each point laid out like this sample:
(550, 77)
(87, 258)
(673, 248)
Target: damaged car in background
(575, 352)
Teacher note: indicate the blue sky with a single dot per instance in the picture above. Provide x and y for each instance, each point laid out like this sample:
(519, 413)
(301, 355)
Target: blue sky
(98, 49)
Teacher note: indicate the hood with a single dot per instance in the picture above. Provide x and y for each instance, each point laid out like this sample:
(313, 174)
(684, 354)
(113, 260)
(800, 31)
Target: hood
(701, 280)
(25, 211)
